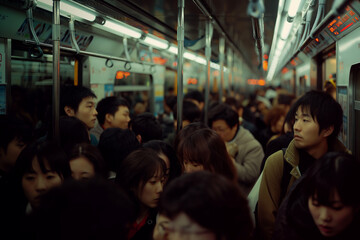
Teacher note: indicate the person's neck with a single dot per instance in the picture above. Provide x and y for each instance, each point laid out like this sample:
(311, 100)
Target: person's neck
(142, 213)
(319, 150)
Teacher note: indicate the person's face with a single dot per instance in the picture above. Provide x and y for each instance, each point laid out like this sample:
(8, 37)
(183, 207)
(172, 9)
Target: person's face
(86, 112)
(36, 182)
(150, 194)
(167, 162)
(81, 168)
(306, 131)
(121, 118)
(331, 220)
(225, 132)
(192, 167)
(183, 227)
(13, 151)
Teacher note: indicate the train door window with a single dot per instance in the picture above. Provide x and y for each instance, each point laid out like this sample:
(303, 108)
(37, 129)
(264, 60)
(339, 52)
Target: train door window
(137, 88)
(170, 82)
(302, 85)
(328, 67)
(356, 83)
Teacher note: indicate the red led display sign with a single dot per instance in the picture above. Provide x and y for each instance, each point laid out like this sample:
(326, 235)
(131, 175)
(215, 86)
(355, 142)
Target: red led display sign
(344, 22)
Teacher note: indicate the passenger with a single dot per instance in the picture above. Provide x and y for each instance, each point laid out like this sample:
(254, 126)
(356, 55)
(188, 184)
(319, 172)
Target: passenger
(113, 112)
(324, 203)
(204, 150)
(115, 144)
(79, 102)
(141, 175)
(146, 127)
(15, 135)
(40, 167)
(168, 154)
(241, 145)
(330, 88)
(72, 131)
(167, 118)
(203, 206)
(196, 97)
(191, 113)
(274, 121)
(184, 133)
(93, 209)
(318, 119)
(87, 162)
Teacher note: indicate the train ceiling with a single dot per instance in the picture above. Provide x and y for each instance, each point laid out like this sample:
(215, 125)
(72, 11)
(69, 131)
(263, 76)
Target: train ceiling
(161, 16)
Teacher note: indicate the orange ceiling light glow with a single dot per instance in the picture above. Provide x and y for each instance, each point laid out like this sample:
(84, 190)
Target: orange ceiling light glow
(265, 65)
(192, 81)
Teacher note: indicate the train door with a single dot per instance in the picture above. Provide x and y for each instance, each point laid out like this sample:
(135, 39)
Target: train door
(355, 80)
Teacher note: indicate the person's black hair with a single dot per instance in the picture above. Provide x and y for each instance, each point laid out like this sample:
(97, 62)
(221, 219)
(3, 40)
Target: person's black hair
(136, 169)
(170, 101)
(169, 152)
(71, 96)
(191, 112)
(223, 112)
(323, 109)
(147, 126)
(109, 105)
(115, 144)
(212, 201)
(195, 95)
(72, 131)
(233, 102)
(13, 127)
(184, 133)
(94, 209)
(93, 154)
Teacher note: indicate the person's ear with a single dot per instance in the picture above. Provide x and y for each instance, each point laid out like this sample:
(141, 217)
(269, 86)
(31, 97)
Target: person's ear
(69, 111)
(328, 131)
(109, 117)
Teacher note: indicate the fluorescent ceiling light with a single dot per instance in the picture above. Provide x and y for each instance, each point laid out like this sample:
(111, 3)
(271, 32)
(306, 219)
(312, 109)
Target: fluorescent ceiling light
(123, 29)
(280, 44)
(215, 65)
(173, 50)
(293, 8)
(201, 60)
(286, 28)
(156, 42)
(67, 9)
(190, 56)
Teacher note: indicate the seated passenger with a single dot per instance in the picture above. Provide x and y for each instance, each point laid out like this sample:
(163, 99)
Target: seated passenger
(168, 154)
(240, 143)
(93, 209)
(87, 162)
(113, 112)
(203, 206)
(324, 203)
(141, 175)
(204, 150)
(146, 127)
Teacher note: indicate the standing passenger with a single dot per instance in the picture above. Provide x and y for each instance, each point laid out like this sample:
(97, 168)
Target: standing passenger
(146, 127)
(241, 145)
(141, 175)
(113, 112)
(318, 119)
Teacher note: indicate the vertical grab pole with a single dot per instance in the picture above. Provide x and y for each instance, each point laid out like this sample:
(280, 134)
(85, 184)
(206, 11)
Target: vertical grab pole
(180, 59)
(56, 69)
(222, 59)
(208, 32)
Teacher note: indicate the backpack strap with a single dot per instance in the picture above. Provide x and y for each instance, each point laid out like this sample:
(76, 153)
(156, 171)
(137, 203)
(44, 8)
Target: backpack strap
(285, 177)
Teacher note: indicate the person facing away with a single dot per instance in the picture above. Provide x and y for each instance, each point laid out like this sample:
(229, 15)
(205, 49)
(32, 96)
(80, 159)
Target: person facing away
(146, 127)
(196, 97)
(318, 119)
(240, 143)
(323, 204)
(79, 102)
(203, 206)
(113, 112)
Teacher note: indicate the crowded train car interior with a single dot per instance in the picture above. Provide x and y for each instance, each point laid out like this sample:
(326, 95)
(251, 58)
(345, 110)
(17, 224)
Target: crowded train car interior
(257, 57)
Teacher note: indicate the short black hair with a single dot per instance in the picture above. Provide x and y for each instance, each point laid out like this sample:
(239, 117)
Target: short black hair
(191, 112)
(324, 110)
(71, 96)
(210, 200)
(109, 105)
(195, 95)
(147, 126)
(224, 112)
(115, 144)
(13, 127)
(93, 209)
